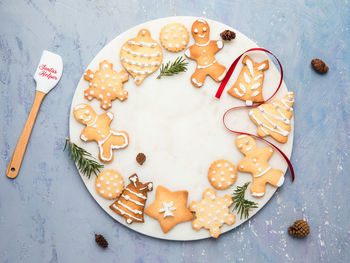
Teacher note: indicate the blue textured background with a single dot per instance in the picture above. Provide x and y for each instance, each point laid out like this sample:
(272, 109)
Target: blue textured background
(46, 214)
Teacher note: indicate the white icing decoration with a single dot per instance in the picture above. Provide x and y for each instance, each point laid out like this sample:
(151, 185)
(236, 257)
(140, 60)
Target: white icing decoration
(140, 72)
(258, 77)
(220, 44)
(137, 194)
(206, 66)
(100, 143)
(142, 44)
(255, 86)
(196, 82)
(127, 197)
(261, 67)
(188, 53)
(83, 138)
(158, 54)
(79, 107)
(137, 63)
(202, 45)
(237, 92)
(135, 211)
(242, 87)
(126, 213)
(167, 208)
(262, 173)
(246, 77)
(255, 93)
(249, 64)
(249, 148)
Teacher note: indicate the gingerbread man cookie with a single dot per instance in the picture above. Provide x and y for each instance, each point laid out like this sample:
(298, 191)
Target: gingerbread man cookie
(255, 162)
(169, 208)
(274, 118)
(174, 37)
(109, 184)
(106, 84)
(141, 56)
(212, 212)
(249, 84)
(97, 129)
(203, 52)
(222, 174)
(131, 202)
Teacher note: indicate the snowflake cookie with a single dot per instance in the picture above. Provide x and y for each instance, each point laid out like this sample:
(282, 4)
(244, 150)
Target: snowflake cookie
(169, 208)
(106, 84)
(212, 212)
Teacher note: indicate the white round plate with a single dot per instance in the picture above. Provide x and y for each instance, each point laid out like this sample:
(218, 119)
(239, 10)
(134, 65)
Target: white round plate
(178, 127)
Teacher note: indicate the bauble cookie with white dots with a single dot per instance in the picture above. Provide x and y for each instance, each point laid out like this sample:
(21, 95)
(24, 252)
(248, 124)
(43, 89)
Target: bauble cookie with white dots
(222, 174)
(174, 37)
(109, 184)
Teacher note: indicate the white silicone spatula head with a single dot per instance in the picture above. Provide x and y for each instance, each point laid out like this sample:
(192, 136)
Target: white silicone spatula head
(49, 71)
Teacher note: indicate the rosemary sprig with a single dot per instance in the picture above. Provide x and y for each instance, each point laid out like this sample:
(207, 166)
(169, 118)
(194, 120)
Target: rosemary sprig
(172, 68)
(239, 203)
(85, 162)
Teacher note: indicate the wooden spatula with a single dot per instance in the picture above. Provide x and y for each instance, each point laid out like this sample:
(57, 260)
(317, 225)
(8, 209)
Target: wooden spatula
(47, 75)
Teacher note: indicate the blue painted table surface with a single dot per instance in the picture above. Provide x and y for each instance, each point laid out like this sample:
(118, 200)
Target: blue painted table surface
(47, 215)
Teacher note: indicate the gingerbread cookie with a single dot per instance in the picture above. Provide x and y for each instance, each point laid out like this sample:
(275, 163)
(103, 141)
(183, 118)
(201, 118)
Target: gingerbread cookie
(141, 56)
(174, 37)
(203, 52)
(212, 212)
(109, 184)
(255, 162)
(106, 84)
(97, 129)
(131, 202)
(169, 208)
(274, 118)
(222, 174)
(249, 84)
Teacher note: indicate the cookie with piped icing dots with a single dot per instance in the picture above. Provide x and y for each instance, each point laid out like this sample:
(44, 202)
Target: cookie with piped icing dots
(212, 212)
(174, 37)
(222, 174)
(106, 84)
(109, 184)
(141, 56)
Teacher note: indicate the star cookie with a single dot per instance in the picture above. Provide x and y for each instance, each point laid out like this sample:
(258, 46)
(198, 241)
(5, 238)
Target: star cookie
(222, 174)
(212, 212)
(106, 84)
(109, 184)
(174, 37)
(169, 208)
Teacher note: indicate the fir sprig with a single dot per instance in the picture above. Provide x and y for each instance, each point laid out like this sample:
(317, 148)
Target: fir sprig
(85, 162)
(239, 203)
(172, 68)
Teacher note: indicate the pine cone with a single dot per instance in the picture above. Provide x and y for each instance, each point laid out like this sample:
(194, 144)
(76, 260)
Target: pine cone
(101, 241)
(141, 158)
(228, 35)
(300, 228)
(319, 66)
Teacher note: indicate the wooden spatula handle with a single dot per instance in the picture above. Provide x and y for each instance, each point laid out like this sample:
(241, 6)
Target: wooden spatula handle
(16, 160)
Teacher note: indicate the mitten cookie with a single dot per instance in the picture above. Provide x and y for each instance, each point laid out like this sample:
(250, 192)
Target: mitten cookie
(212, 212)
(109, 184)
(131, 202)
(255, 162)
(274, 118)
(174, 37)
(98, 129)
(141, 56)
(203, 52)
(222, 174)
(248, 86)
(169, 208)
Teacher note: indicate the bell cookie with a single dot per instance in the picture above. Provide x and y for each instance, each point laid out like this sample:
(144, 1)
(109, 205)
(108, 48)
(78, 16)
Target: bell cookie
(255, 162)
(274, 118)
(109, 184)
(98, 129)
(174, 37)
(169, 208)
(249, 84)
(203, 52)
(222, 174)
(212, 212)
(141, 56)
(131, 202)
(106, 85)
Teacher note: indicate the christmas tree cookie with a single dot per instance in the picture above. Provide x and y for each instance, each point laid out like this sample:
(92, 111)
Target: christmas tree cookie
(274, 118)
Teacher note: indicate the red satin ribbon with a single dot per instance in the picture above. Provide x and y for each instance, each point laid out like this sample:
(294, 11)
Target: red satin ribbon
(222, 87)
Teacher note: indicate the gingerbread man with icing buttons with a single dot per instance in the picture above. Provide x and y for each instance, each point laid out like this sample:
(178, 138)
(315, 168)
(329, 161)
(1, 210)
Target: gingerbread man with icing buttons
(98, 129)
(255, 162)
(203, 52)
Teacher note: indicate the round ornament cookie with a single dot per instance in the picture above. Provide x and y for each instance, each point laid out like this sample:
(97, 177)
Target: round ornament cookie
(222, 174)
(174, 37)
(109, 184)
(141, 56)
